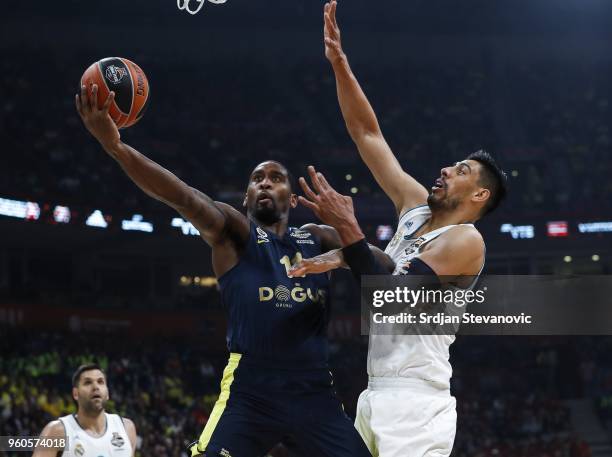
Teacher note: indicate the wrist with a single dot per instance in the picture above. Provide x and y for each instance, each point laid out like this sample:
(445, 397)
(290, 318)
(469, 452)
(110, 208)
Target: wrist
(113, 147)
(350, 232)
(339, 61)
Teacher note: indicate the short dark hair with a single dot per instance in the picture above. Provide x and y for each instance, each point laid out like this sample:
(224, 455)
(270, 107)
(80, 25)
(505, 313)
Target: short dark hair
(76, 377)
(492, 177)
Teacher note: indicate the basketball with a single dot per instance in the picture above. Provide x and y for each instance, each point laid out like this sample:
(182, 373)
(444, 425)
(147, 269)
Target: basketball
(129, 83)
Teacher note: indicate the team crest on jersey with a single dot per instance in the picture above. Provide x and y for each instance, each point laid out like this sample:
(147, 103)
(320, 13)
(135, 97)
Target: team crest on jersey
(79, 450)
(117, 440)
(262, 236)
(396, 238)
(115, 74)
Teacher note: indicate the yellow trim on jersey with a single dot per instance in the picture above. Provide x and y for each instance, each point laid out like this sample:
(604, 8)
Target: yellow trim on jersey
(215, 416)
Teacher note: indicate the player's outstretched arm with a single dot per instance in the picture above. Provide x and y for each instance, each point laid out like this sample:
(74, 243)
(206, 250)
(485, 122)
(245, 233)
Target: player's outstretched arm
(215, 221)
(363, 127)
(53, 430)
(332, 260)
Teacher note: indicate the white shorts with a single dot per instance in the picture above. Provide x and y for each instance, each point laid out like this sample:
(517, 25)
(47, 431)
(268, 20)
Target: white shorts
(403, 417)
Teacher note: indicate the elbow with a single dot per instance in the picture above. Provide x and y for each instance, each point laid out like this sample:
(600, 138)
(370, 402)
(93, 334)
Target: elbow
(362, 132)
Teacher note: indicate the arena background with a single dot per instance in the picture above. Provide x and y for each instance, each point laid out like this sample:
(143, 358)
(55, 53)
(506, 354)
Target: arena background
(247, 81)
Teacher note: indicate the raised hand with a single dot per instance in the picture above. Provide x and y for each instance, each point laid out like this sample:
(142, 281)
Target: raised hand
(331, 32)
(331, 207)
(97, 120)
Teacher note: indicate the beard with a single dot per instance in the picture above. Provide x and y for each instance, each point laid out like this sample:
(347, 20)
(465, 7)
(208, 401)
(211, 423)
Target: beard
(444, 203)
(90, 407)
(267, 215)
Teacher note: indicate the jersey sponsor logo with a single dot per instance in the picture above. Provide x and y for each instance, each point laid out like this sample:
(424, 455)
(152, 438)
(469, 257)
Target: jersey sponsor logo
(262, 237)
(224, 453)
(286, 298)
(305, 241)
(117, 440)
(115, 74)
(300, 234)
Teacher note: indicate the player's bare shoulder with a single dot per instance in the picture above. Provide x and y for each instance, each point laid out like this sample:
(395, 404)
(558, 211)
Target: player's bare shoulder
(54, 429)
(458, 251)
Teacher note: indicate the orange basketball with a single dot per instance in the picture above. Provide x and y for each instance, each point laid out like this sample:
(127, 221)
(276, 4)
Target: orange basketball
(129, 83)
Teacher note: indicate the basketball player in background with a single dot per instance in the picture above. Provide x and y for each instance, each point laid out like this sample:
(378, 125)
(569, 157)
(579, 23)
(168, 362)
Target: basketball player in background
(407, 410)
(277, 382)
(91, 430)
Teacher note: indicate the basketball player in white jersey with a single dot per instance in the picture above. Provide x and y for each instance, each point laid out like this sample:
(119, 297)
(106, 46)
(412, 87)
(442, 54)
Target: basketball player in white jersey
(91, 432)
(407, 410)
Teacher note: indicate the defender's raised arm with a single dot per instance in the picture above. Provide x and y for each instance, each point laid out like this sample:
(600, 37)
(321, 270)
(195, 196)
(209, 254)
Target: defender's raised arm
(363, 127)
(214, 220)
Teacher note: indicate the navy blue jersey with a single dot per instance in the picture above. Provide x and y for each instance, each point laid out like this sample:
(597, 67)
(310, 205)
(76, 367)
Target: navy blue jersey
(272, 318)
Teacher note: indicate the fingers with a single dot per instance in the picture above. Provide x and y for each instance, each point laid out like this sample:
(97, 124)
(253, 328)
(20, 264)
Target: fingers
(307, 190)
(299, 269)
(77, 102)
(107, 103)
(324, 184)
(84, 101)
(314, 178)
(308, 204)
(93, 98)
(332, 12)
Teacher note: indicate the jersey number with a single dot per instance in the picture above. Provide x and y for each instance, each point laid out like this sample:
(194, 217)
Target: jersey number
(287, 263)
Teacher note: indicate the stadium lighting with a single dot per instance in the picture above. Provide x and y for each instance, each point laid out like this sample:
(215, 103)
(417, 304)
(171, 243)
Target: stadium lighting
(186, 227)
(518, 231)
(96, 219)
(137, 224)
(19, 209)
(61, 214)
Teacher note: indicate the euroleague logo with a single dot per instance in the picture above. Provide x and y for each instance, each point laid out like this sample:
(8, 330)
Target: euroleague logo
(115, 74)
(285, 296)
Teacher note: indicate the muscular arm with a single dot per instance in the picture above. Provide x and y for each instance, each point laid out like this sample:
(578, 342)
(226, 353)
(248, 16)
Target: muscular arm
(332, 258)
(217, 222)
(130, 428)
(363, 127)
(54, 429)
(459, 251)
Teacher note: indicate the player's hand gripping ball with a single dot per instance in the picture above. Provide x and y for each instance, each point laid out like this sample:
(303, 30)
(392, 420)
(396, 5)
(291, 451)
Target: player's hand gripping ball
(129, 83)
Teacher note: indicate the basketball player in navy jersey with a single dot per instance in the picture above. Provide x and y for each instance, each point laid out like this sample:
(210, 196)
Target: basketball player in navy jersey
(277, 382)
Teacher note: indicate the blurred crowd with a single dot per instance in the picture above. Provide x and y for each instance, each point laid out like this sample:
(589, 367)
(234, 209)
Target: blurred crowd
(547, 122)
(512, 407)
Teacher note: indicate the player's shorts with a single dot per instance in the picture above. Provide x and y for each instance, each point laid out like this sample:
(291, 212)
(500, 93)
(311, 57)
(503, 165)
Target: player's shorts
(402, 417)
(260, 406)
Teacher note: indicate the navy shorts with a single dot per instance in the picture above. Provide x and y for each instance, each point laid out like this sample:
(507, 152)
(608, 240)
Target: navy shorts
(260, 406)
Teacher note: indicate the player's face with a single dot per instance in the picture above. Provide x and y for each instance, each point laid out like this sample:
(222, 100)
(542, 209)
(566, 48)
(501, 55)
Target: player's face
(269, 195)
(92, 392)
(455, 185)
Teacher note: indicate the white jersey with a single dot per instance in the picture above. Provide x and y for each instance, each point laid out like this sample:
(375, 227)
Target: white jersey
(424, 357)
(115, 441)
